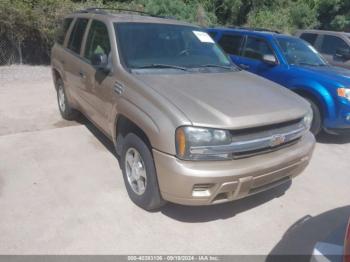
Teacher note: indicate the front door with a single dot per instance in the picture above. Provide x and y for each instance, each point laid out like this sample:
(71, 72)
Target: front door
(99, 82)
(252, 59)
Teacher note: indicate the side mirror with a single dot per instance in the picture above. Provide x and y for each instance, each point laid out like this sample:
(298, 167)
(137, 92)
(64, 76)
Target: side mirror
(343, 53)
(269, 59)
(99, 61)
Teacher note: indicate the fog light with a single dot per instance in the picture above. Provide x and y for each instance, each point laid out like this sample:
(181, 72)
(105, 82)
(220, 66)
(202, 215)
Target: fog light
(202, 190)
(347, 118)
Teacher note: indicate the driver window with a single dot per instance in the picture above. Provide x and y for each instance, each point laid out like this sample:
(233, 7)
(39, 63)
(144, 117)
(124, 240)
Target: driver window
(256, 48)
(97, 41)
(332, 43)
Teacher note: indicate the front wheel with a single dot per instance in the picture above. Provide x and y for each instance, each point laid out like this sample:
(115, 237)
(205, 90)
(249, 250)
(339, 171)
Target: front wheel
(316, 125)
(139, 173)
(66, 111)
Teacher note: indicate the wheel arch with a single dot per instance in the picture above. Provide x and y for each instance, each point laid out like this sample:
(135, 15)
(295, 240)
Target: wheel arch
(320, 96)
(124, 126)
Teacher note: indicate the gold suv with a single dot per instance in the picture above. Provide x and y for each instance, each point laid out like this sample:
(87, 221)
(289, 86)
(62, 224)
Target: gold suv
(189, 126)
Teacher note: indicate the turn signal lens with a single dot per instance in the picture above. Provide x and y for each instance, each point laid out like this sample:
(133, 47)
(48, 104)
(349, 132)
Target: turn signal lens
(181, 142)
(344, 92)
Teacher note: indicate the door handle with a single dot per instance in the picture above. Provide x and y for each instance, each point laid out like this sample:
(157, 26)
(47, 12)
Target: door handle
(118, 88)
(243, 66)
(82, 74)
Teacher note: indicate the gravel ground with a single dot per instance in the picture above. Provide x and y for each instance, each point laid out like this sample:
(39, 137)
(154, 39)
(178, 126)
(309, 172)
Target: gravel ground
(11, 74)
(62, 192)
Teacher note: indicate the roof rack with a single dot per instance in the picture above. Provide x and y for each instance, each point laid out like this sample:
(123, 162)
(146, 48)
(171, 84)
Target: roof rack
(256, 29)
(104, 11)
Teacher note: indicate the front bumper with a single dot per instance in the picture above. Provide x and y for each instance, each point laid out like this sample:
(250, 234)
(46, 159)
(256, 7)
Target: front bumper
(212, 182)
(339, 119)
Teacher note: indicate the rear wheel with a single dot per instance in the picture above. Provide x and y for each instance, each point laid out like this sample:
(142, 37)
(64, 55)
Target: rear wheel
(139, 173)
(66, 111)
(316, 126)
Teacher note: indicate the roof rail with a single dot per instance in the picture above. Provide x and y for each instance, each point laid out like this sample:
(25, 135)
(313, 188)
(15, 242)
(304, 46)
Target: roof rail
(255, 29)
(104, 11)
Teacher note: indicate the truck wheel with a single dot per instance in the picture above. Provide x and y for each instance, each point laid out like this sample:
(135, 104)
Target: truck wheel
(139, 173)
(316, 125)
(66, 111)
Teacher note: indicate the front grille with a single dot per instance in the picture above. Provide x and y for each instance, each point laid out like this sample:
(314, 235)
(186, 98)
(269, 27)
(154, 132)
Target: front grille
(259, 140)
(247, 154)
(265, 132)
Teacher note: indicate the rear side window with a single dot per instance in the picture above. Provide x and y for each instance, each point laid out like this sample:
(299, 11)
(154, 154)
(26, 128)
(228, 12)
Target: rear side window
(256, 48)
(77, 35)
(308, 37)
(330, 44)
(97, 41)
(231, 43)
(62, 31)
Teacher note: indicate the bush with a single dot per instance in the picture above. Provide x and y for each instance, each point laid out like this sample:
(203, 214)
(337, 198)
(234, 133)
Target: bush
(30, 25)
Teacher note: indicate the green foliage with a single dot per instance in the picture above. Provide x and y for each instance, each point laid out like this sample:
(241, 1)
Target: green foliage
(38, 20)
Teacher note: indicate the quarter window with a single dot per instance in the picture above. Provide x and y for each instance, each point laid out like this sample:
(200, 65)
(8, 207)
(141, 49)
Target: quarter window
(231, 43)
(331, 44)
(97, 41)
(77, 35)
(256, 48)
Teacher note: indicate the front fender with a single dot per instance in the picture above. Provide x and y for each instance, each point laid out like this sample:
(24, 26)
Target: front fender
(317, 91)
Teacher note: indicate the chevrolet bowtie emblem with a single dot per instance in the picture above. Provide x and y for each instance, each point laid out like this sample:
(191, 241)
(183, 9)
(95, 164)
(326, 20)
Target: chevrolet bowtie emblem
(277, 140)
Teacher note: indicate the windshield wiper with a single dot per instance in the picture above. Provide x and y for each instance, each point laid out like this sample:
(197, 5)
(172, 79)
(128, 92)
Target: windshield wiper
(219, 66)
(161, 66)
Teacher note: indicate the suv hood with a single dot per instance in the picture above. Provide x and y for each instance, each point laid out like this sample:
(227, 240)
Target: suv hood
(332, 74)
(231, 100)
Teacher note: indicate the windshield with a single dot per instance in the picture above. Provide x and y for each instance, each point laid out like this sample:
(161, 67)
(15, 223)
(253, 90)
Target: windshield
(144, 45)
(299, 52)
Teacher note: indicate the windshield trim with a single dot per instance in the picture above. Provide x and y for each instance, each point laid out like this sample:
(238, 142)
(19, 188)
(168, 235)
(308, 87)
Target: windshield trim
(193, 27)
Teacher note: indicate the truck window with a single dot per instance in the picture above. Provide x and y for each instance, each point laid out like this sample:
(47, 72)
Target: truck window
(330, 44)
(231, 43)
(309, 37)
(256, 48)
(77, 35)
(97, 41)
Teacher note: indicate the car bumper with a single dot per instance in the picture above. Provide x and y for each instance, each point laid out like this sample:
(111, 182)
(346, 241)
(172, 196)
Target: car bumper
(340, 120)
(206, 183)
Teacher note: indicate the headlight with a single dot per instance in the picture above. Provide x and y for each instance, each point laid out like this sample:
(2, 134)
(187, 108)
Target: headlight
(344, 92)
(308, 119)
(189, 141)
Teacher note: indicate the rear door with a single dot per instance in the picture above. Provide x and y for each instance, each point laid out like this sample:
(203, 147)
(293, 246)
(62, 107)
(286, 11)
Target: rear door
(75, 84)
(99, 83)
(232, 45)
(329, 44)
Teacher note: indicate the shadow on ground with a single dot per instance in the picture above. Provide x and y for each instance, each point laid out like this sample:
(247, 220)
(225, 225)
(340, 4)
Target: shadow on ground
(325, 138)
(197, 214)
(302, 236)
(104, 140)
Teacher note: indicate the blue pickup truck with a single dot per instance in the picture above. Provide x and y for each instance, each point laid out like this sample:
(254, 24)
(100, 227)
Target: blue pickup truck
(295, 64)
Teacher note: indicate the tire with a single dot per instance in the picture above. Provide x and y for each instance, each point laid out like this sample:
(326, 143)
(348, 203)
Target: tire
(147, 197)
(67, 112)
(316, 126)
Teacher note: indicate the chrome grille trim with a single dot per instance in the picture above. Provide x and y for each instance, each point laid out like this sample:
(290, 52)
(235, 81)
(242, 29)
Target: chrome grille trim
(258, 141)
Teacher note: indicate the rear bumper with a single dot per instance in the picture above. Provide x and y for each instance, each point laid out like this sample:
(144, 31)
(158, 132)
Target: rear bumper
(206, 183)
